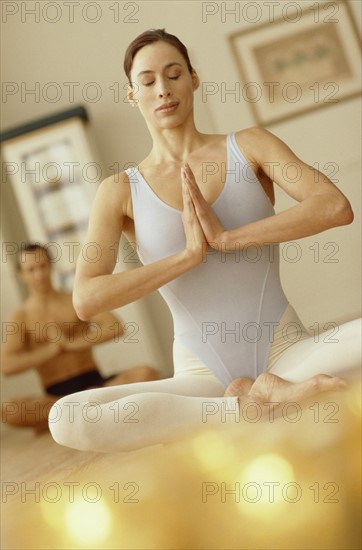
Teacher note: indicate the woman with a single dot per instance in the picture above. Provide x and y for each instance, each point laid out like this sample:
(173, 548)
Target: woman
(200, 208)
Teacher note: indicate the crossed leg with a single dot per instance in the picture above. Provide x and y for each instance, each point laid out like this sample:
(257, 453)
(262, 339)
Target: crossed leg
(122, 418)
(309, 367)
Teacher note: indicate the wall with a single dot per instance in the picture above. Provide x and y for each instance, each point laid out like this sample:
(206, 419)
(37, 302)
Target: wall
(82, 52)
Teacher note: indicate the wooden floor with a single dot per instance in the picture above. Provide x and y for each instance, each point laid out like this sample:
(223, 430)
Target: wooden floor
(187, 495)
(37, 472)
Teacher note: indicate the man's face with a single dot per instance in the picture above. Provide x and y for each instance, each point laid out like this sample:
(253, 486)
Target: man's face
(35, 269)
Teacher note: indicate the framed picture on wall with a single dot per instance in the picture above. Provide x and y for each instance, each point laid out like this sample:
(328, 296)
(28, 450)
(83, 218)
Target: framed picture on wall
(298, 63)
(54, 176)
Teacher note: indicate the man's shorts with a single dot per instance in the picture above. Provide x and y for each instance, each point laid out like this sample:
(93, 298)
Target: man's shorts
(81, 382)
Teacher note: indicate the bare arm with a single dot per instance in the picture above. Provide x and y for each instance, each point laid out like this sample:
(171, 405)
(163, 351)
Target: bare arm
(100, 328)
(16, 357)
(321, 204)
(96, 288)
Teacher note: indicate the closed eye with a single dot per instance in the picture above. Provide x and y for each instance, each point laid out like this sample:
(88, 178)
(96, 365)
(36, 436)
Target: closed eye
(170, 77)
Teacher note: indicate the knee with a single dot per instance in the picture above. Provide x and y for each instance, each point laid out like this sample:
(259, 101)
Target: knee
(67, 424)
(148, 373)
(11, 413)
(57, 422)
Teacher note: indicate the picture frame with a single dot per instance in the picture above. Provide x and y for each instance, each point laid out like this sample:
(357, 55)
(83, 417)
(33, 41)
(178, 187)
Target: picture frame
(54, 209)
(46, 162)
(288, 69)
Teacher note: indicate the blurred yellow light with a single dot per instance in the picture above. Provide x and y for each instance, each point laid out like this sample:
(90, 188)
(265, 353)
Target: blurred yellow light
(88, 522)
(53, 512)
(268, 467)
(213, 450)
(354, 401)
(267, 486)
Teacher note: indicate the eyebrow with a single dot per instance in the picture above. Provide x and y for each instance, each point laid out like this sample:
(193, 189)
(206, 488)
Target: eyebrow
(165, 67)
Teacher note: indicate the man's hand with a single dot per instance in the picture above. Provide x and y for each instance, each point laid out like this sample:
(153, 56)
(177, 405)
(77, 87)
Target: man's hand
(211, 226)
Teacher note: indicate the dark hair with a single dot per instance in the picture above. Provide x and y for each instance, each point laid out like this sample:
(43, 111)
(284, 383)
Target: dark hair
(31, 247)
(149, 37)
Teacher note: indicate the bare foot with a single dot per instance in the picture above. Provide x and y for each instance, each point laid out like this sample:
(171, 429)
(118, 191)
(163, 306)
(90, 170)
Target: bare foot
(239, 387)
(271, 388)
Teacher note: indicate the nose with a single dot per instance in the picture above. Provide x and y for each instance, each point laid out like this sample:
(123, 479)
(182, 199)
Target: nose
(164, 90)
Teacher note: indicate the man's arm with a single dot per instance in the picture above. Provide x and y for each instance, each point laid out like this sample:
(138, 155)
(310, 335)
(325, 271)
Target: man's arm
(100, 328)
(15, 356)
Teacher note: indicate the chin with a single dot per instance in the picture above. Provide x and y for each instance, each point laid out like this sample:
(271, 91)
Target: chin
(169, 124)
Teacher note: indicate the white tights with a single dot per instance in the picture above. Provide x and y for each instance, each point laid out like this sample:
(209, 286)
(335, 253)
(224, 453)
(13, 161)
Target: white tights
(127, 417)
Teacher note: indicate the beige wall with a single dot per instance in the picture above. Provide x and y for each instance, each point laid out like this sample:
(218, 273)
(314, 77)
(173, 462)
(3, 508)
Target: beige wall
(83, 52)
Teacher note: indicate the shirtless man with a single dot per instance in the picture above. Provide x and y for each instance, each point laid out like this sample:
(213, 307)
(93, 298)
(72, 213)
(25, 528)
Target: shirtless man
(48, 336)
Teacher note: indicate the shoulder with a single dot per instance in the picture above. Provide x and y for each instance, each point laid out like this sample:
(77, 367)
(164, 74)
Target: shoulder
(114, 192)
(19, 315)
(255, 135)
(259, 143)
(115, 183)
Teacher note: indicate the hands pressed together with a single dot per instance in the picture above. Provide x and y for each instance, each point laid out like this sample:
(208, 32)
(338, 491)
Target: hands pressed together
(202, 226)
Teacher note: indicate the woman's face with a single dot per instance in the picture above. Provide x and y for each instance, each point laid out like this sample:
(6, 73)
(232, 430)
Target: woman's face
(160, 76)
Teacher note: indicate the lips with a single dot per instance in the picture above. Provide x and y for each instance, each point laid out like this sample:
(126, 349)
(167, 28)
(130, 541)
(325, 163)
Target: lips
(167, 107)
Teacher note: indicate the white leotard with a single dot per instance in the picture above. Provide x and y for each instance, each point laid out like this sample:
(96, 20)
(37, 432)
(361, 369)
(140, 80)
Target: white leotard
(226, 309)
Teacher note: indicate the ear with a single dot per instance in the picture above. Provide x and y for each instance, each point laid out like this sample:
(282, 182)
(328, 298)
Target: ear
(130, 96)
(195, 79)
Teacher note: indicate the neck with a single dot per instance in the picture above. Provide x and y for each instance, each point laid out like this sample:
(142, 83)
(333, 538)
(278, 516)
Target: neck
(175, 144)
(43, 295)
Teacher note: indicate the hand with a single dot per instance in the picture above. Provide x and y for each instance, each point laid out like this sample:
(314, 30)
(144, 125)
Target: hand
(210, 223)
(54, 348)
(64, 343)
(195, 238)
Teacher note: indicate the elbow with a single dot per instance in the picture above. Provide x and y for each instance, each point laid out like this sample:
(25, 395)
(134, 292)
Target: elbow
(6, 369)
(343, 213)
(82, 304)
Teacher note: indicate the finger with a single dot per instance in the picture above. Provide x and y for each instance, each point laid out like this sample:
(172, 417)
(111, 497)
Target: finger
(195, 195)
(191, 184)
(184, 179)
(188, 203)
(188, 169)
(193, 187)
(187, 191)
(186, 195)
(190, 175)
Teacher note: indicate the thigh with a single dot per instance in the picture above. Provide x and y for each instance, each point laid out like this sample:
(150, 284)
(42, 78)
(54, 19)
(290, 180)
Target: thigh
(192, 378)
(336, 353)
(192, 386)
